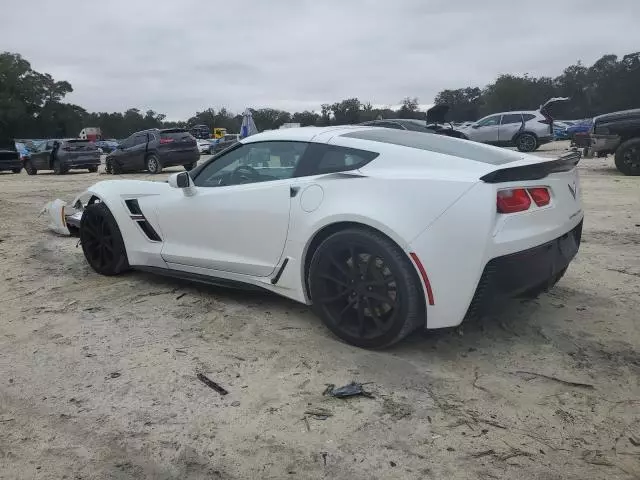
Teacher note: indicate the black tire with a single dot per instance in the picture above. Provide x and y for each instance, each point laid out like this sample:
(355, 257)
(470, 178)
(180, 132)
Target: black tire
(92, 169)
(526, 142)
(112, 167)
(153, 164)
(16, 170)
(29, 168)
(101, 241)
(190, 166)
(375, 304)
(628, 157)
(58, 169)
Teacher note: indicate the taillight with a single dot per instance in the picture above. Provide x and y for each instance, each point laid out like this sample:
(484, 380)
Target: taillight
(513, 200)
(165, 140)
(540, 196)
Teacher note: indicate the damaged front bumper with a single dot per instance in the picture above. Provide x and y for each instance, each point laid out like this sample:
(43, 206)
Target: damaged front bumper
(64, 219)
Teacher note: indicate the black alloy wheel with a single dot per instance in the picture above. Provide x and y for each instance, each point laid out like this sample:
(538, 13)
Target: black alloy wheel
(101, 240)
(365, 289)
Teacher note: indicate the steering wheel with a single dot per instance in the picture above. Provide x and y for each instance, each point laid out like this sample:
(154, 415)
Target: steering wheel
(244, 174)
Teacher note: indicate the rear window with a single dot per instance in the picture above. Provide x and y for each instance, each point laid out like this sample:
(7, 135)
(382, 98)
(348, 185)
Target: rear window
(435, 143)
(176, 134)
(80, 144)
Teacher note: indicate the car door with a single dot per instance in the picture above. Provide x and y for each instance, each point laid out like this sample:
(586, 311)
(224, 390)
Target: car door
(486, 130)
(238, 219)
(138, 150)
(40, 158)
(510, 125)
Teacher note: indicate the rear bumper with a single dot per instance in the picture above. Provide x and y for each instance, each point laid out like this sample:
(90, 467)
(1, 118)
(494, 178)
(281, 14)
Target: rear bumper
(85, 163)
(604, 143)
(179, 158)
(514, 274)
(10, 163)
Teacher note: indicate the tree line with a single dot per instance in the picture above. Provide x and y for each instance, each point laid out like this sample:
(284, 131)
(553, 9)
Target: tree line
(32, 106)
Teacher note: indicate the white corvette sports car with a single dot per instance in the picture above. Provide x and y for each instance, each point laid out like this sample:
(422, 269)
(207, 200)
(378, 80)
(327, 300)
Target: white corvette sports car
(383, 231)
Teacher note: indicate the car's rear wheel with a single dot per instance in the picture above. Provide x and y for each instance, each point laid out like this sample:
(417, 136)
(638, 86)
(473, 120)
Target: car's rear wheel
(93, 169)
(153, 164)
(101, 240)
(628, 157)
(29, 168)
(526, 142)
(365, 289)
(16, 170)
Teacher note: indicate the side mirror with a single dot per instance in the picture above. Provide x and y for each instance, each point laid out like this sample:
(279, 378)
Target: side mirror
(184, 181)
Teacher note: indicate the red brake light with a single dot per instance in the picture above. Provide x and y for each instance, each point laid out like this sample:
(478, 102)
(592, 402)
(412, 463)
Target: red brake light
(540, 195)
(164, 140)
(513, 200)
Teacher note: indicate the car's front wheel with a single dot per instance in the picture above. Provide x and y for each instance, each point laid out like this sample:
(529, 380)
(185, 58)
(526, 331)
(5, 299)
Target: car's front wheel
(526, 143)
(365, 289)
(153, 164)
(102, 241)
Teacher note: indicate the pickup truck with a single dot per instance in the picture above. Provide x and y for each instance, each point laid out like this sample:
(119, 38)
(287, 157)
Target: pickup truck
(618, 133)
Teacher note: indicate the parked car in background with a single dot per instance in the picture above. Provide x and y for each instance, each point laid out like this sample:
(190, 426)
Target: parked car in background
(618, 133)
(62, 156)
(560, 129)
(226, 141)
(9, 155)
(524, 129)
(205, 147)
(200, 131)
(578, 127)
(153, 150)
(435, 123)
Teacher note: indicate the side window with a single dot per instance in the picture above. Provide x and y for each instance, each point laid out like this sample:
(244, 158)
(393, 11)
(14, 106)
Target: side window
(511, 118)
(152, 136)
(528, 116)
(489, 121)
(46, 146)
(252, 163)
(322, 159)
(139, 139)
(128, 142)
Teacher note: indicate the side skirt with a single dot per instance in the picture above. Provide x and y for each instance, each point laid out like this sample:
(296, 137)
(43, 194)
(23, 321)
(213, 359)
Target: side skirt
(198, 278)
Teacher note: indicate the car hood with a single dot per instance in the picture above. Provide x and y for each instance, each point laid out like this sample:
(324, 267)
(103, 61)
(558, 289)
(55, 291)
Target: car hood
(123, 189)
(437, 113)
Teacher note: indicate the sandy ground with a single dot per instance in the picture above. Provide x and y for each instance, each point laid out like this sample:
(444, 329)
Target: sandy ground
(98, 375)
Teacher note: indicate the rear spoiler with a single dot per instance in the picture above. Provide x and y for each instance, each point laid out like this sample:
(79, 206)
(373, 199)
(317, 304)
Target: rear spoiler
(536, 171)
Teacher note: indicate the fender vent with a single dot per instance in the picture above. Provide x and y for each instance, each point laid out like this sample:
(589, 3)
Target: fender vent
(138, 217)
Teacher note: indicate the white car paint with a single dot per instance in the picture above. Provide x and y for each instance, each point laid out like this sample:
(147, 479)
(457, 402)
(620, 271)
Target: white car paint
(430, 203)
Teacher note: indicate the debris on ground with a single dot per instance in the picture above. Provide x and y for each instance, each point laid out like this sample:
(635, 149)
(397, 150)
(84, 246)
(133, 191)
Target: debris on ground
(211, 384)
(352, 389)
(319, 413)
(556, 379)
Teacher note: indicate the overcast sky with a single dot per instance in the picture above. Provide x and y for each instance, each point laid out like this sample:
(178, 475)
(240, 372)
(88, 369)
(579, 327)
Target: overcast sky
(178, 57)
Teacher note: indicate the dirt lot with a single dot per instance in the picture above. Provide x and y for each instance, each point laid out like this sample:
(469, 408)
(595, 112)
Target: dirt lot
(99, 374)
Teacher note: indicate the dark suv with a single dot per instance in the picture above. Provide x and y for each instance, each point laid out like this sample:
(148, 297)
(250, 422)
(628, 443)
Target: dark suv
(152, 150)
(63, 155)
(9, 156)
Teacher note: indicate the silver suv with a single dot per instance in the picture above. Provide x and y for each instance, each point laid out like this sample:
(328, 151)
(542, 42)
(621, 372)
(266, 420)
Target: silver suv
(526, 129)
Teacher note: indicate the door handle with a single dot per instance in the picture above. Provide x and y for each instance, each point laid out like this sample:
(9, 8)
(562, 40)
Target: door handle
(293, 191)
